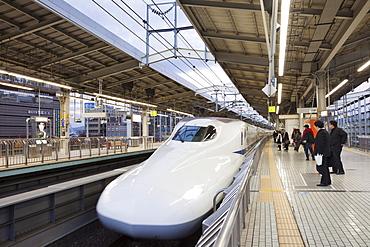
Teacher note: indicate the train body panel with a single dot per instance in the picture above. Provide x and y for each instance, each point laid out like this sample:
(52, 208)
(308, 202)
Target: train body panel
(176, 185)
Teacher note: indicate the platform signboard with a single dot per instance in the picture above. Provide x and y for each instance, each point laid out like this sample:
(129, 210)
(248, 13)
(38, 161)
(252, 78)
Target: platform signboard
(270, 88)
(92, 106)
(307, 110)
(89, 105)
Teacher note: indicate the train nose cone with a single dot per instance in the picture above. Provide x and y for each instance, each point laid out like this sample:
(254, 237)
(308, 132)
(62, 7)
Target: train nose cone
(142, 211)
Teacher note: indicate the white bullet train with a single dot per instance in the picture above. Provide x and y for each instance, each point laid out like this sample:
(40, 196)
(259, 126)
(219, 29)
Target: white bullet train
(169, 194)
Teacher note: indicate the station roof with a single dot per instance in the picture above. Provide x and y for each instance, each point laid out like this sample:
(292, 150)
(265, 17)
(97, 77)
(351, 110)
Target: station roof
(323, 35)
(49, 42)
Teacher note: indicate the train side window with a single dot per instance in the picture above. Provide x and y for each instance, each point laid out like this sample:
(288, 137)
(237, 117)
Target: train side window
(210, 133)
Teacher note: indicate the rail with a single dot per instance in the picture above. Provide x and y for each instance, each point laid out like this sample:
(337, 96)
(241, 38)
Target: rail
(25, 151)
(225, 230)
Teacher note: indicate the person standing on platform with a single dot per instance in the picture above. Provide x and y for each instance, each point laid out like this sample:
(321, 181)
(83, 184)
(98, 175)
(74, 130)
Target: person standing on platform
(286, 141)
(279, 140)
(292, 136)
(307, 140)
(296, 138)
(323, 147)
(274, 135)
(338, 138)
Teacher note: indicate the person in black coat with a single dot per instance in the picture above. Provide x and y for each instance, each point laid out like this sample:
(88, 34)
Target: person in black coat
(285, 140)
(274, 135)
(338, 138)
(279, 140)
(323, 146)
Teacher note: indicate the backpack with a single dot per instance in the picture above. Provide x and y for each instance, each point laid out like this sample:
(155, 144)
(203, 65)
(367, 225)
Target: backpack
(309, 138)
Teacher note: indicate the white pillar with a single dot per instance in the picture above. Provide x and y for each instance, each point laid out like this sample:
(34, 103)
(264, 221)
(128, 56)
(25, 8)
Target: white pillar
(64, 119)
(145, 129)
(301, 115)
(321, 92)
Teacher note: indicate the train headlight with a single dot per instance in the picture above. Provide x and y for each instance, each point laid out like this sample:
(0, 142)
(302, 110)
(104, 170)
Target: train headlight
(193, 193)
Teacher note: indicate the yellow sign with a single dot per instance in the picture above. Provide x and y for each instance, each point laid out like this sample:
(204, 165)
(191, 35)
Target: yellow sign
(153, 113)
(272, 109)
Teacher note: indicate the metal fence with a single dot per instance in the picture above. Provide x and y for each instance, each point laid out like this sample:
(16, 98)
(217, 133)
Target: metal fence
(226, 227)
(364, 142)
(25, 151)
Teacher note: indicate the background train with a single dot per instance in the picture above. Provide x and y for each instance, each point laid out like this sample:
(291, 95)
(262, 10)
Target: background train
(168, 195)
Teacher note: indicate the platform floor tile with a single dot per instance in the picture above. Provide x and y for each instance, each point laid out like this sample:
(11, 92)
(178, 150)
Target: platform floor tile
(288, 209)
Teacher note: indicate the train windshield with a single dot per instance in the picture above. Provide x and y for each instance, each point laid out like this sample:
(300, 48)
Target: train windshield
(195, 133)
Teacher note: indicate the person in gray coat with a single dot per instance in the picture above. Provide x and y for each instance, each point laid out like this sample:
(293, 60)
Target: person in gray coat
(323, 147)
(338, 137)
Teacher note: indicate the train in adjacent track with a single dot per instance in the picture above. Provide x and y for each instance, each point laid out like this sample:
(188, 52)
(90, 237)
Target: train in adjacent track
(168, 195)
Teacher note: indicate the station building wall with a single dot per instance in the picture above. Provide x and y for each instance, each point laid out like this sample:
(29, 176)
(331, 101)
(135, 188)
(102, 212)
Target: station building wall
(18, 105)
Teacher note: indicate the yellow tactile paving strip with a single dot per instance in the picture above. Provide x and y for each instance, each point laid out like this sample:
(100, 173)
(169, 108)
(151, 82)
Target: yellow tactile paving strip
(357, 152)
(272, 190)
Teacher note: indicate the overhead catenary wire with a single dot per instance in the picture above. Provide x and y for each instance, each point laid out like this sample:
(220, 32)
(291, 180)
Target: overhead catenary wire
(189, 45)
(186, 41)
(169, 23)
(189, 65)
(125, 26)
(161, 13)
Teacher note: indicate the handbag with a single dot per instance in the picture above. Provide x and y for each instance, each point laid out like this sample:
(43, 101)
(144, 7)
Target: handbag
(287, 142)
(318, 158)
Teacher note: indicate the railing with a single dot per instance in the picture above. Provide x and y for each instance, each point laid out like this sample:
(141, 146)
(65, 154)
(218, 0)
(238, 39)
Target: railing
(25, 151)
(226, 229)
(230, 234)
(364, 142)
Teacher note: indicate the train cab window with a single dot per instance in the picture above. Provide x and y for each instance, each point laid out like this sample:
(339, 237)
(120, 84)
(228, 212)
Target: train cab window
(195, 133)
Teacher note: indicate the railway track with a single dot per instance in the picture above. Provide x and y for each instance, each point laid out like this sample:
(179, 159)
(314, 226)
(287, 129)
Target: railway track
(124, 241)
(95, 234)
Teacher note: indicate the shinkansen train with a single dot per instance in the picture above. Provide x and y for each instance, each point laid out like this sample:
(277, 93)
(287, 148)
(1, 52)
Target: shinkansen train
(168, 195)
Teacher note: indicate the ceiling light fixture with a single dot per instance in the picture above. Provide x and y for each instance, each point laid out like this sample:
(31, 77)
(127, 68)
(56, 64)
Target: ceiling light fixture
(133, 102)
(16, 86)
(337, 87)
(116, 104)
(284, 17)
(36, 79)
(179, 112)
(280, 92)
(363, 66)
(277, 109)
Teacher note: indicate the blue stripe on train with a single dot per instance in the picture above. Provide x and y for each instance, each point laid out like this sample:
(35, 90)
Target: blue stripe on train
(242, 152)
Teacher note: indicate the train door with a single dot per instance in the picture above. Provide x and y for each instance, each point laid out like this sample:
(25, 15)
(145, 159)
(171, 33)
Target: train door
(243, 136)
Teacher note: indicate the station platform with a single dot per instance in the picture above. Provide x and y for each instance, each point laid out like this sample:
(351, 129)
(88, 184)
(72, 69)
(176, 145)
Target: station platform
(64, 157)
(288, 209)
